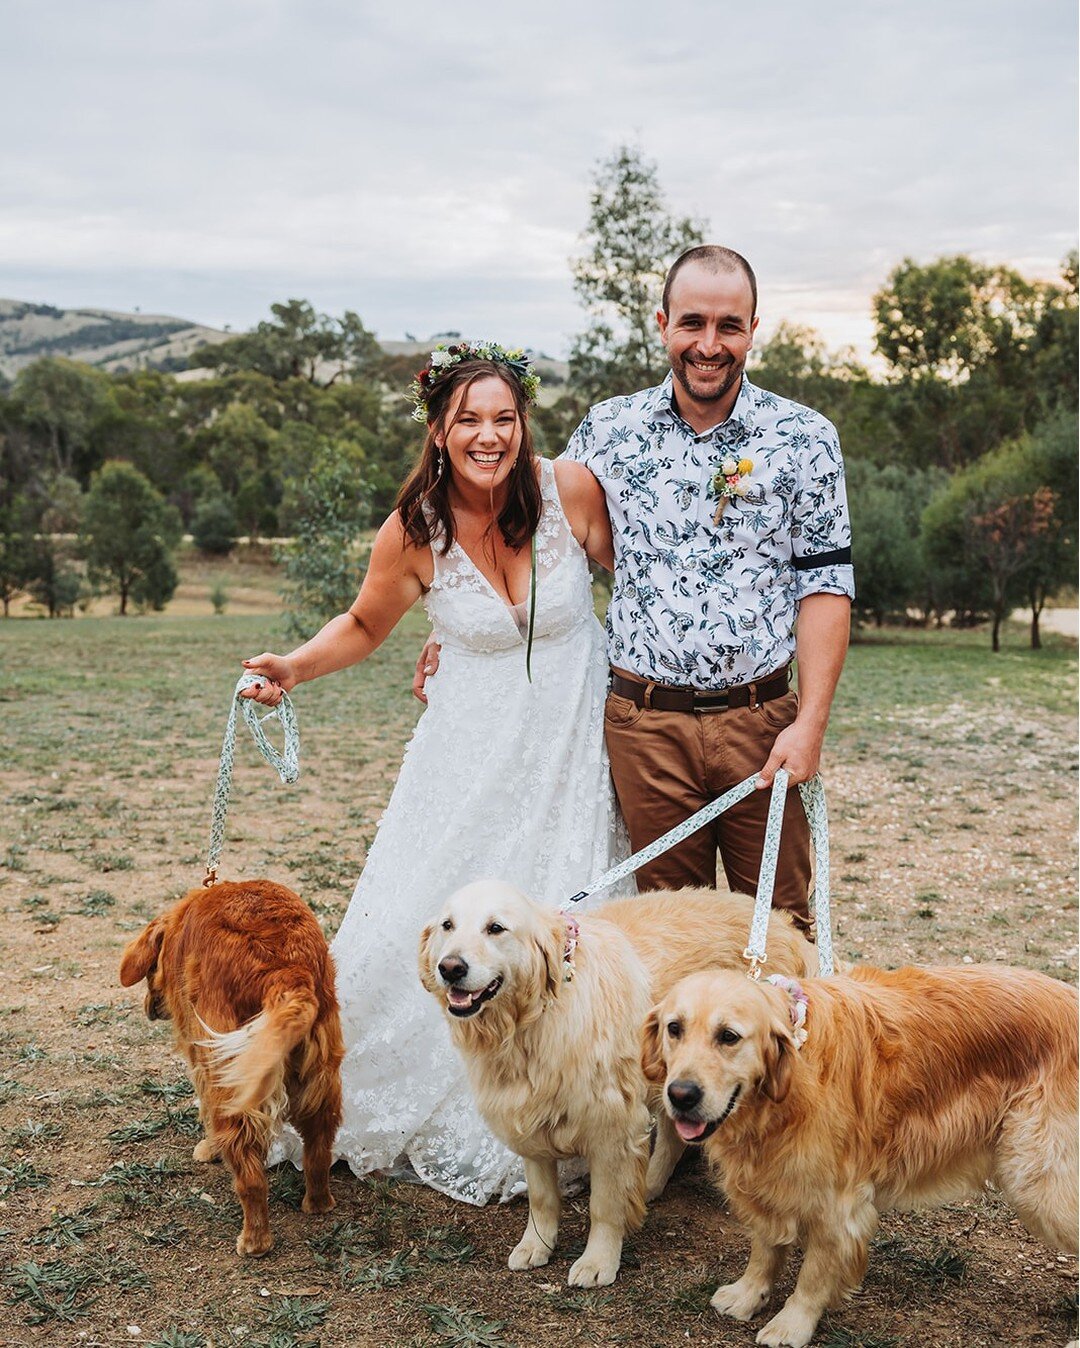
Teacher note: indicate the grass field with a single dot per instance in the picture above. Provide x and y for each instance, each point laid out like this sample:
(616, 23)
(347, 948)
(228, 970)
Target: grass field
(952, 784)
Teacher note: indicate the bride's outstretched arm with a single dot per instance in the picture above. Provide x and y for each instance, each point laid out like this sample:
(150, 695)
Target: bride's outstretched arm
(392, 585)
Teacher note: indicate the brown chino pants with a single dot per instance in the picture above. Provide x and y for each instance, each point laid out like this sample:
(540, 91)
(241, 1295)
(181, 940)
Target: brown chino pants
(667, 764)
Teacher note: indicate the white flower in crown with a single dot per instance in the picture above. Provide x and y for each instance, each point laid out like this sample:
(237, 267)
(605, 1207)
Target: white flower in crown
(444, 357)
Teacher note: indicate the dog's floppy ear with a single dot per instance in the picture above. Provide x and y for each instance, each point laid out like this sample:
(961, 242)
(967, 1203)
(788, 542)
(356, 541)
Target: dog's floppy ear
(141, 955)
(779, 1049)
(551, 943)
(424, 958)
(652, 1060)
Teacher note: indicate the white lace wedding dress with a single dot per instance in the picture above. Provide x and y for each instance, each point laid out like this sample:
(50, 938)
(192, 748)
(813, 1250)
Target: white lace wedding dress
(502, 778)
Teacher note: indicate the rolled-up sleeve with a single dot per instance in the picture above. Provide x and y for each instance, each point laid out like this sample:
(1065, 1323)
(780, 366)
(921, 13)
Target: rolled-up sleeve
(820, 527)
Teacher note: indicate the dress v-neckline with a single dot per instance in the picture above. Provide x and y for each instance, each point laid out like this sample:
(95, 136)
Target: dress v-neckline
(507, 604)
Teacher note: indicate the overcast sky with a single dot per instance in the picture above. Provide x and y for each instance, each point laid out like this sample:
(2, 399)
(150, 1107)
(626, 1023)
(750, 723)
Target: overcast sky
(429, 165)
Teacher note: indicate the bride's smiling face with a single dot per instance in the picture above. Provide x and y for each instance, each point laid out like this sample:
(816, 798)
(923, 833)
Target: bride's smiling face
(483, 436)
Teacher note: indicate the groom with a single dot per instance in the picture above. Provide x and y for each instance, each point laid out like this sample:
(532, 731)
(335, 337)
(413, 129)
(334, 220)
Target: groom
(730, 521)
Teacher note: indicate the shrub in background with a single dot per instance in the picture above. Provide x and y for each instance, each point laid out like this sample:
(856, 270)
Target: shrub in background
(213, 526)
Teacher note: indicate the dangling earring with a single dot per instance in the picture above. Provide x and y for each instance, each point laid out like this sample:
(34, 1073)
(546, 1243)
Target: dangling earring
(439, 464)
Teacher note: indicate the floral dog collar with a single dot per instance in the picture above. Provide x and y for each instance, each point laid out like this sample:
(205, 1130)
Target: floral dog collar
(798, 1003)
(573, 932)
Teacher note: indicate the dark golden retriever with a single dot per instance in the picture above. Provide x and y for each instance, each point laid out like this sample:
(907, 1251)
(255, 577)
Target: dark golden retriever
(913, 1087)
(244, 974)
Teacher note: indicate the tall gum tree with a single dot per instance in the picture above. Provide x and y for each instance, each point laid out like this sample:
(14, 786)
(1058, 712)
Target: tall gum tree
(628, 245)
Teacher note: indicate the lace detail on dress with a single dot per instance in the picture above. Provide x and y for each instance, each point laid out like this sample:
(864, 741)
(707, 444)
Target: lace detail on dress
(504, 778)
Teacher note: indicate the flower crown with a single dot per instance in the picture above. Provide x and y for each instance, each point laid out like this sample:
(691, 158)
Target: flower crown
(444, 358)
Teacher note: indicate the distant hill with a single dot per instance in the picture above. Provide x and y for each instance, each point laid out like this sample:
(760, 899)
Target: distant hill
(112, 341)
(119, 342)
(553, 373)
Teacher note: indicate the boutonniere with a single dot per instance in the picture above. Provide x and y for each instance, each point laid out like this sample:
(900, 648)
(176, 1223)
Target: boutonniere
(729, 481)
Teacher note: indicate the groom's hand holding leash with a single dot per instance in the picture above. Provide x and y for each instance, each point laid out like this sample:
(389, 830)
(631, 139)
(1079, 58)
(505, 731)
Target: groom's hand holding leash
(797, 749)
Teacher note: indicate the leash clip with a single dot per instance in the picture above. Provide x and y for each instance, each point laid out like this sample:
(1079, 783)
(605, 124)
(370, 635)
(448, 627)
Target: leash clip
(755, 961)
(210, 878)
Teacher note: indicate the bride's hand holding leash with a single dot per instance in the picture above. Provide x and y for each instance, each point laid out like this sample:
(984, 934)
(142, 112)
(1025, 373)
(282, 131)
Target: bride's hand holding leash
(278, 676)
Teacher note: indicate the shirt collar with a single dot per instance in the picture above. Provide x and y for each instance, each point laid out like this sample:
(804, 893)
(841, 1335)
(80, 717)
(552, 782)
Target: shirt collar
(660, 402)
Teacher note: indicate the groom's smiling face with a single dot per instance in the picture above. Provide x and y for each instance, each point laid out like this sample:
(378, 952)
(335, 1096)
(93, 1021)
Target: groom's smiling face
(708, 332)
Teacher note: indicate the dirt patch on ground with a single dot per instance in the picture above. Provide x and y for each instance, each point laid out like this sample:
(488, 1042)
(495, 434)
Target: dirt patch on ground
(951, 780)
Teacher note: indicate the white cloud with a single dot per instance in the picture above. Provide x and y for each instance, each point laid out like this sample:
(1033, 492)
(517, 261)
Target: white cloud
(430, 165)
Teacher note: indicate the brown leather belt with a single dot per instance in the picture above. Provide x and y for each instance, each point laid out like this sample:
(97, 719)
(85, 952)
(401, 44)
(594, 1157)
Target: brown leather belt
(664, 697)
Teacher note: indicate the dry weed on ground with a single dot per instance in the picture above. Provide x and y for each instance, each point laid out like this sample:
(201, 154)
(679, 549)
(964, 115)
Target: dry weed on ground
(951, 777)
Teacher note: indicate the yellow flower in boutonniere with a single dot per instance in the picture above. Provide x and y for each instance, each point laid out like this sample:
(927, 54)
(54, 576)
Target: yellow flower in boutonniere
(728, 482)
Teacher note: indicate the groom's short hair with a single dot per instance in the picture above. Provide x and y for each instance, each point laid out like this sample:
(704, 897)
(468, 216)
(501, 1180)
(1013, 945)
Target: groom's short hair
(715, 258)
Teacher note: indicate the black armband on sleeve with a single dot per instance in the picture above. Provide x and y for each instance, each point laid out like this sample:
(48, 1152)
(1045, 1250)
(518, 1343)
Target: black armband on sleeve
(838, 557)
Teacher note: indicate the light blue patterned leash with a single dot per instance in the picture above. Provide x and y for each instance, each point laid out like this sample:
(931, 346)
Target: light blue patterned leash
(287, 763)
(813, 798)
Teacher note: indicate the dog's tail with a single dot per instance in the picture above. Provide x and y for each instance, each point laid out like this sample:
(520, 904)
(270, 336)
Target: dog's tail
(248, 1063)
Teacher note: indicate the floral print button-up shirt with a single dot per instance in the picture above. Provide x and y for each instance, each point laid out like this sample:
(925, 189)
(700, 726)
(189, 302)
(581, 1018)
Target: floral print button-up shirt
(704, 599)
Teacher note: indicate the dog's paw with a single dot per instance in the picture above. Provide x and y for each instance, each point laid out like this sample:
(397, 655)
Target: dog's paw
(590, 1271)
(741, 1299)
(792, 1328)
(253, 1246)
(529, 1254)
(319, 1202)
(205, 1151)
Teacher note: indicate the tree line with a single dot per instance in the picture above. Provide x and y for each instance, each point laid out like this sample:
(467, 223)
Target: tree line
(960, 447)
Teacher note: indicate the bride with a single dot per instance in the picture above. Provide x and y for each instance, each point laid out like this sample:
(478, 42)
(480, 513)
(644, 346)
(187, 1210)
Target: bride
(506, 773)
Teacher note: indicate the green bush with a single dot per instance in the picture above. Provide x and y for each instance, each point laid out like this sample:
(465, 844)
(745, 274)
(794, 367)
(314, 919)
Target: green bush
(329, 507)
(213, 526)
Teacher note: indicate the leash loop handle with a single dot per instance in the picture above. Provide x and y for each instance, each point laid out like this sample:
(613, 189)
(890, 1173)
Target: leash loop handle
(813, 799)
(286, 763)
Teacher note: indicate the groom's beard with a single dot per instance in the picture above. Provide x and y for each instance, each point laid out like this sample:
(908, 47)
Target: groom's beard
(707, 391)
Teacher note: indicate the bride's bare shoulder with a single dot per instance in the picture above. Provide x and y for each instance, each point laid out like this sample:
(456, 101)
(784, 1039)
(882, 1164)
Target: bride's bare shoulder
(395, 550)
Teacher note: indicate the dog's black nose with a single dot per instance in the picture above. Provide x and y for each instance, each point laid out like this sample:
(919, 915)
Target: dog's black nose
(684, 1094)
(452, 969)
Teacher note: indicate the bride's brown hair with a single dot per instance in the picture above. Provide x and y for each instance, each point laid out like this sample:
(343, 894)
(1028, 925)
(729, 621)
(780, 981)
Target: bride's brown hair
(424, 499)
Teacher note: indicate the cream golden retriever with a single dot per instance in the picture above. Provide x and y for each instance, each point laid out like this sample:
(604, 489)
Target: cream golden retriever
(913, 1087)
(547, 1014)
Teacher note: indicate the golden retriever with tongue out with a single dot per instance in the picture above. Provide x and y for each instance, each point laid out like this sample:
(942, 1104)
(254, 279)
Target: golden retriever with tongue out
(547, 1013)
(904, 1088)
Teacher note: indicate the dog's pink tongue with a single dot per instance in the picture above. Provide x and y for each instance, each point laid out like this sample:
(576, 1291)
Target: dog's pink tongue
(688, 1129)
(459, 997)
